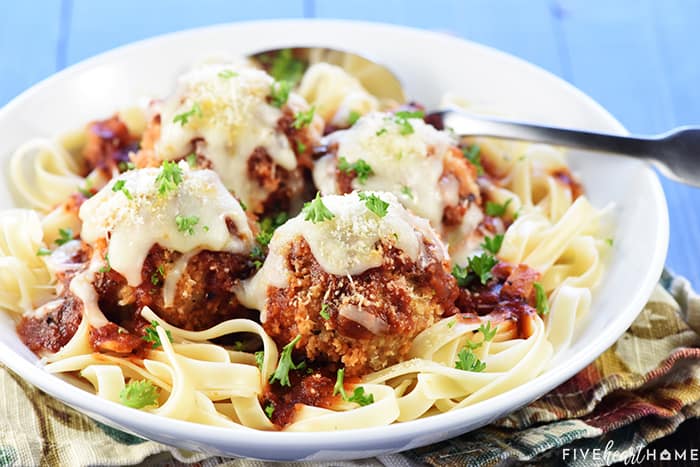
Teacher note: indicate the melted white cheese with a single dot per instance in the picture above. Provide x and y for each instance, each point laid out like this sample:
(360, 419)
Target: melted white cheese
(409, 166)
(133, 226)
(335, 93)
(235, 119)
(346, 245)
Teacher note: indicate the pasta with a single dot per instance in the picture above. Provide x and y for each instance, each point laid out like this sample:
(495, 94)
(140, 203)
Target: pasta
(251, 255)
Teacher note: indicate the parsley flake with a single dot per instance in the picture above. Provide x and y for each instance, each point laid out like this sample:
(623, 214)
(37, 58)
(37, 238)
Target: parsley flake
(227, 74)
(139, 394)
(64, 236)
(301, 147)
(361, 169)
(381, 131)
(279, 93)
(468, 361)
(107, 267)
(269, 409)
(151, 335)
(257, 255)
(184, 117)
(375, 204)
(268, 226)
(125, 166)
(43, 252)
(259, 358)
(191, 160)
(157, 275)
(401, 119)
(302, 119)
(324, 311)
(169, 178)
(286, 364)
(488, 332)
(609, 241)
(315, 211)
(186, 223)
(473, 155)
(495, 209)
(285, 67)
(353, 117)
(493, 244)
(541, 302)
(452, 323)
(406, 190)
(478, 267)
(358, 395)
(119, 186)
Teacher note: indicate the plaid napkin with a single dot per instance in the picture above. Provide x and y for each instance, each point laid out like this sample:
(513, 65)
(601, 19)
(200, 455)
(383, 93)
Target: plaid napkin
(639, 390)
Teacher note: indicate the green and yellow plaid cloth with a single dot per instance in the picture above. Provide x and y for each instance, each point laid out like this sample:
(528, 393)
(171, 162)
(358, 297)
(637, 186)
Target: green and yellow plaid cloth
(639, 390)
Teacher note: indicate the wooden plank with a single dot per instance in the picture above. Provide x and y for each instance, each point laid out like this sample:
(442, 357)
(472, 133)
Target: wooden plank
(676, 23)
(29, 37)
(99, 26)
(614, 54)
(524, 29)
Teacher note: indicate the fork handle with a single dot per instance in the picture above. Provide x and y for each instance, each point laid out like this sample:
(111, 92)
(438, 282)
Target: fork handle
(465, 124)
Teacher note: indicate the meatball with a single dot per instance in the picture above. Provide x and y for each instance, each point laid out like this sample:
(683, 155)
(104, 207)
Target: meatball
(420, 165)
(357, 286)
(150, 251)
(254, 132)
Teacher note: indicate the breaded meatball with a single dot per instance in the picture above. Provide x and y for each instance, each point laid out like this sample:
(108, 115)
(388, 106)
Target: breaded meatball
(358, 284)
(255, 133)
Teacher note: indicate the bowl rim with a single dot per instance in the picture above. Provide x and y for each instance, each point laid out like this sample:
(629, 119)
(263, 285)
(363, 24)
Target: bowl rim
(516, 398)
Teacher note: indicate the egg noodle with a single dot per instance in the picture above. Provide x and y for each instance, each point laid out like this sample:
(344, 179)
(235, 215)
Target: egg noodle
(558, 234)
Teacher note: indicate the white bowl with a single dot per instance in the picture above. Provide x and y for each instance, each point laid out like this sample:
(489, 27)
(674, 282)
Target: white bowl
(430, 64)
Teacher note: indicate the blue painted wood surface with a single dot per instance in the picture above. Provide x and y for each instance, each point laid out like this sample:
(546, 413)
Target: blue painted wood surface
(638, 58)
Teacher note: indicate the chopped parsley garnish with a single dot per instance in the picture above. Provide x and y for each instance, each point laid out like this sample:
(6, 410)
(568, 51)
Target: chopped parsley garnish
(107, 267)
(286, 364)
(157, 275)
(259, 358)
(279, 93)
(243, 205)
(488, 332)
(375, 204)
(302, 119)
(401, 119)
(186, 223)
(125, 166)
(87, 189)
(478, 267)
(473, 345)
(43, 252)
(361, 168)
(381, 131)
(227, 74)
(191, 160)
(268, 226)
(495, 209)
(139, 394)
(609, 241)
(315, 211)
(324, 311)
(452, 323)
(184, 117)
(473, 155)
(301, 147)
(541, 302)
(169, 178)
(353, 117)
(468, 361)
(269, 409)
(493, 244)
(64, 236)
(257, 255)
(238, 346)
(151, 335)
(407, 191)
(287, 68)
(358, 395)
(119, 186)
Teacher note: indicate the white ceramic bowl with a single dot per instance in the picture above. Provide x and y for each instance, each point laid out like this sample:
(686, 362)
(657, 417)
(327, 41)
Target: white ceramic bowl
(429, 64)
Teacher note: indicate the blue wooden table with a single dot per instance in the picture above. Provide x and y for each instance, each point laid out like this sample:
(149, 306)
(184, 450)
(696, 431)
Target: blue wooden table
(638, 58)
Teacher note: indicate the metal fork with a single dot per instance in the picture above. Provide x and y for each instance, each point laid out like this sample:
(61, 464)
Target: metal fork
(676, 153)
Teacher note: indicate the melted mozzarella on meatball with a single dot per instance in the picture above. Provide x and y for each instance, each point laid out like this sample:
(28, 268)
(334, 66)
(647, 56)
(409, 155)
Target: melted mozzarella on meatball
(228, 114)
(409, 165)
(199, 213)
